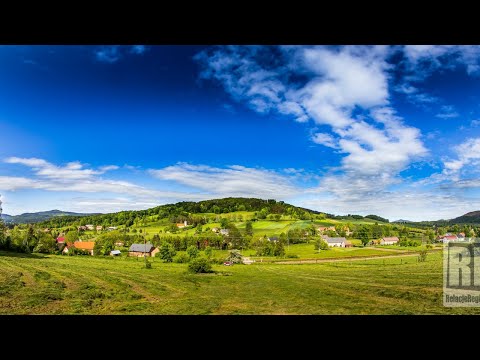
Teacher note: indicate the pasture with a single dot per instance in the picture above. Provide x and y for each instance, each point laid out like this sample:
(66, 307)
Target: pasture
(53, 284)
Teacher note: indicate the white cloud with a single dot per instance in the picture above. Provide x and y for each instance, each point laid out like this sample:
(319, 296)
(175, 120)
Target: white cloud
(468, 154)
(447, 112)
(72, 170)
(475, 123)
(338, 82)
(325, 140)
(234, 180)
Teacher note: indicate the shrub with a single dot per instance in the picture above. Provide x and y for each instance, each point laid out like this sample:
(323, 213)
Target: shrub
(148, 264)
(167, 252)
(422, 256)
(208, 252)
(292, 256)
(200, 265)
(321, 244)
(192, 251)
(181, 258)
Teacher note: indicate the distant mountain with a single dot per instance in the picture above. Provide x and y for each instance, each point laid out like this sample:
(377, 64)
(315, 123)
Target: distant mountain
(402, 221)
(29, 218)
(472, 217)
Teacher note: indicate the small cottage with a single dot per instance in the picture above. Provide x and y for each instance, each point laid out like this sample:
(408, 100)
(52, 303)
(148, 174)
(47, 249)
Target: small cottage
(389, 240)
(336, 241)
(142, 250)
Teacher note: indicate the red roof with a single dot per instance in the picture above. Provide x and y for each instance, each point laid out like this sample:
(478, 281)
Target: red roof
(450, 237)
(61, 239)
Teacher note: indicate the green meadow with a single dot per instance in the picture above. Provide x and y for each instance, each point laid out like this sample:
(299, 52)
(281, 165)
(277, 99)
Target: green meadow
(54, 284)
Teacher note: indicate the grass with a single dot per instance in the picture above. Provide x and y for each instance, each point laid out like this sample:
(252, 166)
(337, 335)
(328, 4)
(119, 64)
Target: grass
(87, 285)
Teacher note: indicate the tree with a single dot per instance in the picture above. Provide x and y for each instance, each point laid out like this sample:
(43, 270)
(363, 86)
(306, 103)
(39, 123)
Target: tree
(279, 249)
(208, 252)
(192, 251)
(321, 244)
(71, 237)
(277, 217)
(46, 244)
(363, 234)
(200, 265)
(167, 252)
(249, 228)
(223, 222)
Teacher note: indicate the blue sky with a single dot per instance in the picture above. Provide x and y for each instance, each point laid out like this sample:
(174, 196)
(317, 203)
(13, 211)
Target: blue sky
(389, 130)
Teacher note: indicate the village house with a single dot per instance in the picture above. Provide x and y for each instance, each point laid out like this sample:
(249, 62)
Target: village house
(323, 229)
(82, 228)
(110, 228)
(115, 253)
(348, 244)
(119, 243)
(60, 239)
(142, 250)
(393, 240)
(81, 245)
(99, 227)
(182, 225)
(336, 241)
(273, 239)
(447, 238)
(90, 227)
(224, 231)
(461, 235)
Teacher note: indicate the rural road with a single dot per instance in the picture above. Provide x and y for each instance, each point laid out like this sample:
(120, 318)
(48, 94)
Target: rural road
(315, 261)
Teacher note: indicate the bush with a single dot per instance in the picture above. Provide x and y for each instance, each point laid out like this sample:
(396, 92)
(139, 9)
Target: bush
(167, 252)
(292, 256)
(321, 244)
(181, 259)
(217, 260)
(422, 256)
(192, 251)
(208, 252)
(148, 264)
(199, 265)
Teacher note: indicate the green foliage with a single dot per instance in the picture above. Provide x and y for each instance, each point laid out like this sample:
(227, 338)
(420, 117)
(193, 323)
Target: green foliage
(422, 256)
(378, 218)
(106, 243)
(278, 249)
(248, 228)
(200, 265)
(71, 237)
(148, 264)
(321, 244)
(208, 252)
(46, 244)
(409, 242)
(181, 258)
(167, 252)
(363, 233)
(192, 252)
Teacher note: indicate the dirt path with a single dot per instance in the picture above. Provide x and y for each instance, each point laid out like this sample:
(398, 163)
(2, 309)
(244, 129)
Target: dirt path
(315, 261)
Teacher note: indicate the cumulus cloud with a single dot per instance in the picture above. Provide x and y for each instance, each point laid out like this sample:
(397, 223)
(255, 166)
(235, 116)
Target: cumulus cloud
(345, 88)
(234, 180)
(447, 112)
(467, 153)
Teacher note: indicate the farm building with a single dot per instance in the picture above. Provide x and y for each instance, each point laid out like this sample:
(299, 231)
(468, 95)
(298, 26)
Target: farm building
(81, 245)
(348, 244)
(110, 228)
(90, 227)
(389, 240)
(82, 228)
(115, 253)
(99, 227)
(85, 245)
(336, 241)
(182, 225)
(273, 239)
(447, 238)
(60, 239)
(142, 249)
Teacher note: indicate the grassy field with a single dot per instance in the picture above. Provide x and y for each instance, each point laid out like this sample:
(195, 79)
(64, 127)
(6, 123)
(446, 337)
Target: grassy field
(87, 285)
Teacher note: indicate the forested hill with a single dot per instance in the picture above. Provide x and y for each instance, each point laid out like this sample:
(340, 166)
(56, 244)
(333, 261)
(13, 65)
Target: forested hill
(183, 210)
(472, 217)
(28, 218)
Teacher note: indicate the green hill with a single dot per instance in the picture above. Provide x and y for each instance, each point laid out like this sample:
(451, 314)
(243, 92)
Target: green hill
(28, 218)
(472, 217)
